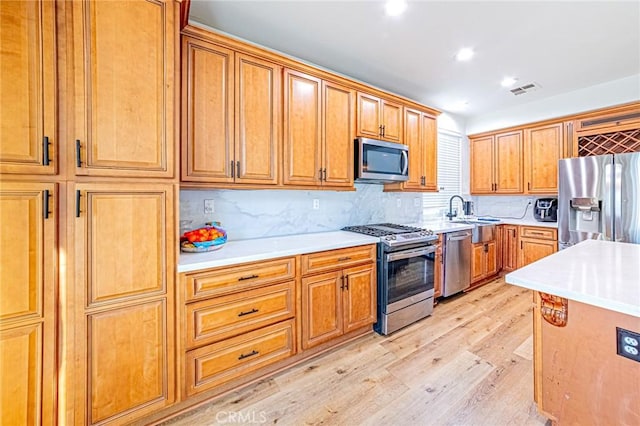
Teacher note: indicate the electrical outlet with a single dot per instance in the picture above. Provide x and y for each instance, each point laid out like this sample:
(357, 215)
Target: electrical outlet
(628, 344)
(398, 202)
(209, 207)
(416, 202)
(316, 204)
(529, 201)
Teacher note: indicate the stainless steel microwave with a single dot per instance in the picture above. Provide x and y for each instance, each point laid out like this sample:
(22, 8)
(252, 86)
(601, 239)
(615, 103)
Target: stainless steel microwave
(380, 162)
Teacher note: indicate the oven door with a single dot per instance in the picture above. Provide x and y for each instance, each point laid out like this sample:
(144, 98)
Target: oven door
(408, 277)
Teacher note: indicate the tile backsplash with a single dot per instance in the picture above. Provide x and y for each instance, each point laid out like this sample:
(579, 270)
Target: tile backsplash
(249, 214)
(512, 207)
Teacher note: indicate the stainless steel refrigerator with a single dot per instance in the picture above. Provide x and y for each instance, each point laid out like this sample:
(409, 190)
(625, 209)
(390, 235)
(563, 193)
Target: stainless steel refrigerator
(599, 198)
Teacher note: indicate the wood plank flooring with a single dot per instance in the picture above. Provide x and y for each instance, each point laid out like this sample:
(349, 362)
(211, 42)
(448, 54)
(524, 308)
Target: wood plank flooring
(470, 363)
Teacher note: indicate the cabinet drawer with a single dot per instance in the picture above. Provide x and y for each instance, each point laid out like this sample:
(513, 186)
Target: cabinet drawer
(540, 233)
(216, 319)
(220, 362)
(337, 259)
(236, 278)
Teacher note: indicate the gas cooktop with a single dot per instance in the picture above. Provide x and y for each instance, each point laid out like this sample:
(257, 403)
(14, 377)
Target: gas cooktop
(394, 235)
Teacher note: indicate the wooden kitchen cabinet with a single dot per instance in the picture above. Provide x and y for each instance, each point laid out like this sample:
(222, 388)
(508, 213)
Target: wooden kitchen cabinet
(124, 306)
(544, 146)
(230, 116)
(438, 270)
(318, 131)
(509, 247)
(125, 88)
(420, 135)
(536, 243)
(484, 261)
(28, 273)
(340, 300)
(379, 118)
(496, 164)
(28, 128)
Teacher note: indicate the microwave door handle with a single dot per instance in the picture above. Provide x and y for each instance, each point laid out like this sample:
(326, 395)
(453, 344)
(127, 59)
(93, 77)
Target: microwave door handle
(405, 157)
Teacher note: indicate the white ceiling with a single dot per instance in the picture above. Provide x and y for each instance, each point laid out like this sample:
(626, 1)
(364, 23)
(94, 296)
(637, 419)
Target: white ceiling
(561, 45)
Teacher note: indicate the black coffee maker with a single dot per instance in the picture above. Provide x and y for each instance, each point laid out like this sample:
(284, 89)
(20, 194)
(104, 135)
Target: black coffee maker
(546, 210)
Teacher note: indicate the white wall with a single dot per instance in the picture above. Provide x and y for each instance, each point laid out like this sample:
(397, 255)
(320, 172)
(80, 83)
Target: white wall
(612, 93)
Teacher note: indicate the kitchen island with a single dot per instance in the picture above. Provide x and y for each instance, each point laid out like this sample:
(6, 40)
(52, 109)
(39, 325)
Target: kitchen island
(582, 296)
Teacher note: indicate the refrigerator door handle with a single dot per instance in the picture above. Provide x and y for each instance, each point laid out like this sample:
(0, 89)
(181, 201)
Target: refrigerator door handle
(608, 201)
(617, 203)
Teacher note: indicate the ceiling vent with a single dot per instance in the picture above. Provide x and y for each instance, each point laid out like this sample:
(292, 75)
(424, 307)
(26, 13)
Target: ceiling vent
(527, 88)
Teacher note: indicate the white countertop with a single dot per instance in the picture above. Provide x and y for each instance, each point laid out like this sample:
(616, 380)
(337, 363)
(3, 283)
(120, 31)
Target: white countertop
(528, 222)
(600, 273)
(440, 227)
(234, 252)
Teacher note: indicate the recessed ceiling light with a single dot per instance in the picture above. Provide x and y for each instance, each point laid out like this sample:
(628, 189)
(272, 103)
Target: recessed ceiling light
(508, 81)
(395, 7)
(465, 54)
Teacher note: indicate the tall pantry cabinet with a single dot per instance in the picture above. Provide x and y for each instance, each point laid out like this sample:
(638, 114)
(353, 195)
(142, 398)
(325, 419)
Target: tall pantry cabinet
(101, 221)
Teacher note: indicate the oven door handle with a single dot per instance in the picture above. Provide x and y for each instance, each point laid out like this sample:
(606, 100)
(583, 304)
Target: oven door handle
(410, 253)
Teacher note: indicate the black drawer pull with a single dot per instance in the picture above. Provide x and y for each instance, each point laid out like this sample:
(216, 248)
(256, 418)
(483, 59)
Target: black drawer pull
(45, 199)
(252, 353)
(78, 157)
(340, 259)
(78, 203)
(250, 277)
(45, 151)
(252, 311)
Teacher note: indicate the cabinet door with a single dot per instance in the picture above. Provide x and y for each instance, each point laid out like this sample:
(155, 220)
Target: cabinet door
(509, 247)
(258, 120)
(391, 121)
(477, 262)
(28, 273)
(430, 152)
(482, 165)
(338, 132)
(369, 116)
(533, 249)
(491, 258)
(124, 254)
(543, 149)
(359, 297)
(508, 163)
(321, 308)
(27, 87)
(302, 129)
(125, 87)
(413, 139)
(207, 111)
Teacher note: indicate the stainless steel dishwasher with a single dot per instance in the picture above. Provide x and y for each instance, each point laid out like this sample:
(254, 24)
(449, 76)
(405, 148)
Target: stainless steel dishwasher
(457, 262)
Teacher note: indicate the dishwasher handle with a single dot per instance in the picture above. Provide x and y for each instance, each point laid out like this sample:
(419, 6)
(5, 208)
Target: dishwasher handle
(459, 237)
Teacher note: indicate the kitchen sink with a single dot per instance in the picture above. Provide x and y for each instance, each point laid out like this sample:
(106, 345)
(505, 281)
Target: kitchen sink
(483, 230)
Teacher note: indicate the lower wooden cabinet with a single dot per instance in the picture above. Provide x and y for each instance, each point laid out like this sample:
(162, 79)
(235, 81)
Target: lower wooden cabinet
(337, 302)
(28, 280)
(438, 270)
(536, 243)
(509, 247)
(484, 261)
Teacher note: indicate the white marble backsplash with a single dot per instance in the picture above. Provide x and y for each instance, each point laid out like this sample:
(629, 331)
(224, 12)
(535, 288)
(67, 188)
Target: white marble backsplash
(511, 207)
(248, 214)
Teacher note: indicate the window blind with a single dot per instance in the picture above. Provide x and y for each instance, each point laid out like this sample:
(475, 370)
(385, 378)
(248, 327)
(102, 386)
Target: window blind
(449, 168)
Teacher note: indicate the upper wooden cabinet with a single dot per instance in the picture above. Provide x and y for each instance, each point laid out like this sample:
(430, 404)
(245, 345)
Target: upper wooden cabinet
(379, 118)
(496, 164)
(28, 273)
(124, 58)
(318, 131)
(421, 136)
(28, 132)
(544, 146)
(230, 115)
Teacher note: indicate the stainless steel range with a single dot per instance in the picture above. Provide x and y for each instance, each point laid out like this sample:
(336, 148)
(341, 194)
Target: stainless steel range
(406, 261)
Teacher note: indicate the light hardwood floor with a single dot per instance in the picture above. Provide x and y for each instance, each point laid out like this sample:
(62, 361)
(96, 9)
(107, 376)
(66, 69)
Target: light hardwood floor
(470, 363)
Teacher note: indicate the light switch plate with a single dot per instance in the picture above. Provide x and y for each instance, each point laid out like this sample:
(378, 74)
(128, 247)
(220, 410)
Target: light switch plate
(209, 207)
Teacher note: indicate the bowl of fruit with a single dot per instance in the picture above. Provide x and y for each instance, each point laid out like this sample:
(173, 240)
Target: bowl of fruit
(207, 238)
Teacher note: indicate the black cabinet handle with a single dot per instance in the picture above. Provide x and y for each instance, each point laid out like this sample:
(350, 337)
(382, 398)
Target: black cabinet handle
(320, 172)
(383, 129)
(247, 278)
(45, 151)
(233, 169)
(380, 130)
(528, 186)
(346, 282)
(252, 311)
(238, 169)
(78, 195)
(45, 202)
(340, 259)
(342, 282)
(78, 157)
(252, 353)
(521, 245)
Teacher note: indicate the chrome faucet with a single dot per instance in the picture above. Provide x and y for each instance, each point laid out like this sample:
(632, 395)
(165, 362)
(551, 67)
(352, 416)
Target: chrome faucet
(451, 215)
